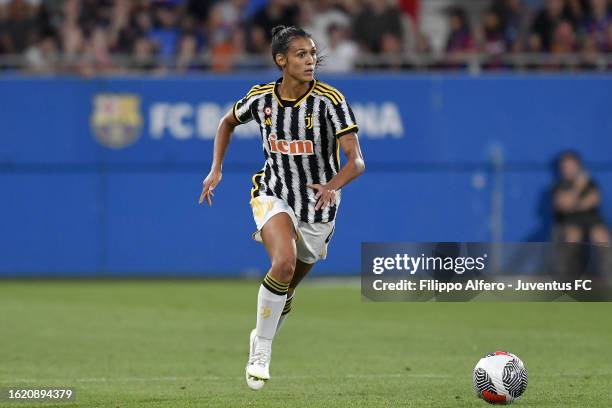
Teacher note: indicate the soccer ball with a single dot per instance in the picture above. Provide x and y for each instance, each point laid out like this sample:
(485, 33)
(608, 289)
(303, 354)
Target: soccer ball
(500, 378)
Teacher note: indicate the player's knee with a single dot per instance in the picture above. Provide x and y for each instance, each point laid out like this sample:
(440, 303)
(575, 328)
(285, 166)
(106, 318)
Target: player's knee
(600, 235)
(573, 234)
(284, 268)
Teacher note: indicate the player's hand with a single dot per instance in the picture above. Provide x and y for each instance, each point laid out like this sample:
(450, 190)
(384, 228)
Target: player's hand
(325, 196)
(209, 184)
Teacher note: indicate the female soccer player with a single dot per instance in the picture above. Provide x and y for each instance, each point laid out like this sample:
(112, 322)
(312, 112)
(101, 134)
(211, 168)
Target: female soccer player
(295, 196)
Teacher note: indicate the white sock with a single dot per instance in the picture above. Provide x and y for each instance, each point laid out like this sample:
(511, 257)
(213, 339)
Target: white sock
(270, 303)
(285, 313)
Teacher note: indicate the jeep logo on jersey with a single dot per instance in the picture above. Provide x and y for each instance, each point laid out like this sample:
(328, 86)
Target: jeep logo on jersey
(291, 147)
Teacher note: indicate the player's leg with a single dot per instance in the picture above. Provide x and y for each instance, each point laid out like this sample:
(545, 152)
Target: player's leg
(311, 247)
(571, 265)
(572, 233)
(278, 236)
(301, 270)
(600, 236)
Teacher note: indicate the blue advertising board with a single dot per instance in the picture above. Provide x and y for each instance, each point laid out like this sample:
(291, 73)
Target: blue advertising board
(101, 176)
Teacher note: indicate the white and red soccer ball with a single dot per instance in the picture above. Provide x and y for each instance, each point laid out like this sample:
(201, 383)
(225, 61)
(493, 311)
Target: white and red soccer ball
(500, 378)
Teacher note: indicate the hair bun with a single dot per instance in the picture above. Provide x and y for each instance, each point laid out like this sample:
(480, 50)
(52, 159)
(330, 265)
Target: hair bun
(277, 29)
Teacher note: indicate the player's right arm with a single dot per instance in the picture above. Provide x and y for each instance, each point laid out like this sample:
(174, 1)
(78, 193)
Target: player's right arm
(239, 114)
(222, 139)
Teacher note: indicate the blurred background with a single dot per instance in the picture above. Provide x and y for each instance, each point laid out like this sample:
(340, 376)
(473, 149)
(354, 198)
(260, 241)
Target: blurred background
(94, 37)
(109, 111)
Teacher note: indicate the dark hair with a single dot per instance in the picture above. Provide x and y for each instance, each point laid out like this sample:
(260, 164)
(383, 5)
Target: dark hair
(563, 156)
(569, 154)
(282, 37)
(460, 13)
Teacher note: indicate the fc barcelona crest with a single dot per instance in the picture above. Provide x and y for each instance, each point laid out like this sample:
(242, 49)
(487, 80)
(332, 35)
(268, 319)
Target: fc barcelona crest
(116, 120)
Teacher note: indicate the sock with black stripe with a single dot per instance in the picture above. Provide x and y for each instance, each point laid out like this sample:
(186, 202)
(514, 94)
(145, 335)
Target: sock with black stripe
(270, 303)
(285, 312)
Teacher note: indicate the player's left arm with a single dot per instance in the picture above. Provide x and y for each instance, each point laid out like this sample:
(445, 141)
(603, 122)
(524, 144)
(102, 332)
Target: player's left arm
(591, 199)
(353, 168)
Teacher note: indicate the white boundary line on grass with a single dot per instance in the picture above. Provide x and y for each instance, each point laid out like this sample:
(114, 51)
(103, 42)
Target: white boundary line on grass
(214, 378)
(278, 377)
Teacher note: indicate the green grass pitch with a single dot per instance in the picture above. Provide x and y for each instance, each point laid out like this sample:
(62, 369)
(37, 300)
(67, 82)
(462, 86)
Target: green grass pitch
(125, 344)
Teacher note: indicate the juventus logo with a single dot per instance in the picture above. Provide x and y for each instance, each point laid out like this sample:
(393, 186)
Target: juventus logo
(309, 123)
(265, 312)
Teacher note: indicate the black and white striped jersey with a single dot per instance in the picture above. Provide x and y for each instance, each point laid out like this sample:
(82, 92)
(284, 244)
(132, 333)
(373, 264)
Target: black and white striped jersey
(299, 141)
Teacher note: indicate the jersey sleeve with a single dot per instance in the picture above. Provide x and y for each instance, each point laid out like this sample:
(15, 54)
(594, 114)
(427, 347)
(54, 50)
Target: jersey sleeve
(342, 118)
(242, 109)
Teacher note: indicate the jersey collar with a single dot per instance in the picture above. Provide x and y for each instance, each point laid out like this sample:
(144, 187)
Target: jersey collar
(289, 104)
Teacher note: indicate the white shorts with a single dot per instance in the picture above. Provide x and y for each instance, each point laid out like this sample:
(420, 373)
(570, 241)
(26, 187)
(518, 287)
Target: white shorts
(312, 239)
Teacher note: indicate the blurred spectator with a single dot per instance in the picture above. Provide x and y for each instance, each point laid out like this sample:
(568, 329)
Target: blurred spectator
(515, 17)
(20, 28)
(564, 40)
(409, 30)
(223, 54)
(534, 43)
(316, 17)
(232, 12)
(598, 22)
(140, 25)
(186, 59)
(608, 40)
(218, 28)
(276, 12)
(391, 51)
(306, 20)
(42, 57)
(106, 35)
(240, 59)
(547, 20)
(342, 52)
(376, 22)
(144, 53)
(93, 14)
(460, 40)
(576, 200)
(493, 34)
(575, 10)
(226, 38)
(199, 8)
(590, 53)
(257, 41)
(165, 32)
(98, 52)
(72, 40)
(411, 8)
